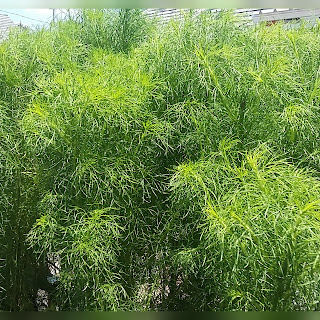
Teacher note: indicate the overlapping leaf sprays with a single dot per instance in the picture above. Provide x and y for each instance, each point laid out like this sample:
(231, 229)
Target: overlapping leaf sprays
(257, 223)
(169, 167)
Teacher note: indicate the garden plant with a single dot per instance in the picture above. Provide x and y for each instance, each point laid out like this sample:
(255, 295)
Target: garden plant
(160, 165)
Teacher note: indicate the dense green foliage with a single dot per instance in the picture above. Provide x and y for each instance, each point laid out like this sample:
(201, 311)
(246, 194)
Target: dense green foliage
(167, 166)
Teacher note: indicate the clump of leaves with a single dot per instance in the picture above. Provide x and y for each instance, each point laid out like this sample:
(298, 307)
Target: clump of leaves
(98, 146)
(98, 114)
(116, 30)
(87, 244)
(257, 225)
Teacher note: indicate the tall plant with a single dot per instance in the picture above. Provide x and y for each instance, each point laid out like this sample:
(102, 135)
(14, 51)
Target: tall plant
(255, 232)
(117, 30)
(140, 158)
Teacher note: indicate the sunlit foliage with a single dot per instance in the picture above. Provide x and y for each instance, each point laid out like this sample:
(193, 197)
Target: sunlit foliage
(166, 166)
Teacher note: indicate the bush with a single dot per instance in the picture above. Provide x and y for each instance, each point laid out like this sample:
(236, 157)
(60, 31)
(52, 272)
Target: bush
(255, 227)
(168, 166)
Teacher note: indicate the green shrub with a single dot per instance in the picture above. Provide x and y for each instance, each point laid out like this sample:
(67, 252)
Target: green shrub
(255, 227)
(142, 157)
(117, 30)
